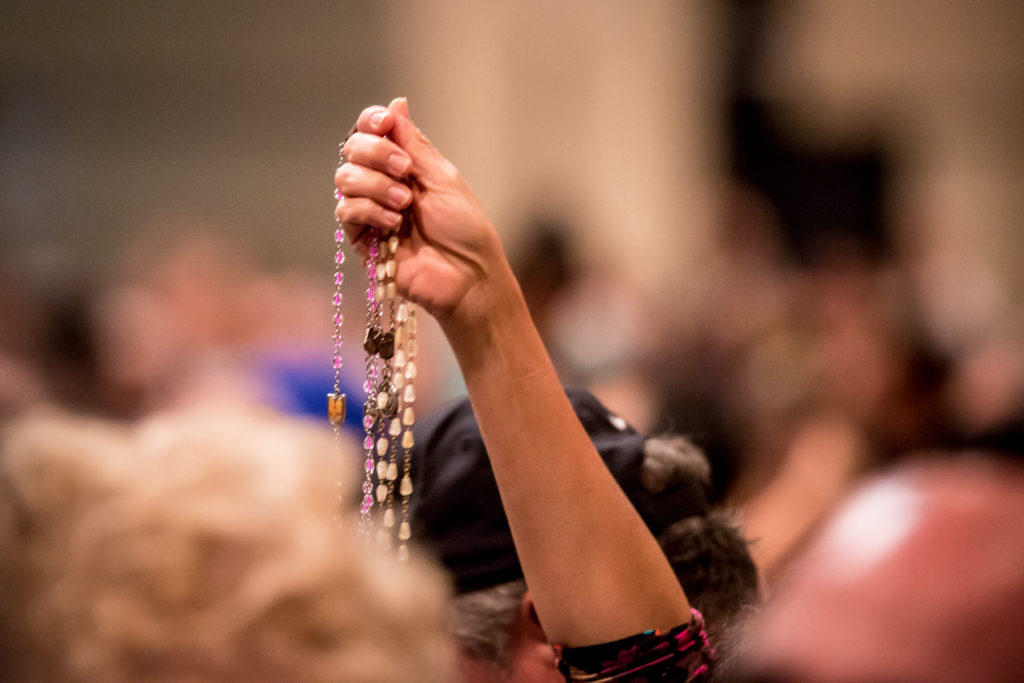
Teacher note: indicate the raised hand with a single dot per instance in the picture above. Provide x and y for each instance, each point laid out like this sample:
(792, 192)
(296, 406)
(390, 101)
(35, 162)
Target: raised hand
(608, 578)
(450, 258)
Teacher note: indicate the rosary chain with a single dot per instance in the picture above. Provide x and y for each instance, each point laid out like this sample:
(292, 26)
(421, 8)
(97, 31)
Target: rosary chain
(388, 416)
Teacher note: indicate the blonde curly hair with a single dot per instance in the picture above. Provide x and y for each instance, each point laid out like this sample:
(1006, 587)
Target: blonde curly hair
(197, 547)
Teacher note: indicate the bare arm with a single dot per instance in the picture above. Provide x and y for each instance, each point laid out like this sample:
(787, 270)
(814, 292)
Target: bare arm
(594, 570)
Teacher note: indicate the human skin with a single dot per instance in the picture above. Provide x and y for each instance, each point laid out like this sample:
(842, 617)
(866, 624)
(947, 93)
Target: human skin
(594, 571)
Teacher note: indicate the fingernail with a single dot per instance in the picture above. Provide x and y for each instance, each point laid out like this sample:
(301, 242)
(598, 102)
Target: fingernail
(399, 195)
(378, 118)
(392, 218)
(399, 164)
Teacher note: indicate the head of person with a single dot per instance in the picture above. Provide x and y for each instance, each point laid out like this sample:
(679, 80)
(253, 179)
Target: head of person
(915, 577)
(457, 514)
(198, 547)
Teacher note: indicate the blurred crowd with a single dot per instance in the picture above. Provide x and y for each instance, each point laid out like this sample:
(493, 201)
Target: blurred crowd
(796, 376)
(832, 342)
(189, 319)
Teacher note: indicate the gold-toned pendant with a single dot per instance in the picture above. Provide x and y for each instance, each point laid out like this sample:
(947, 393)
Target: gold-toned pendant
(336, 408)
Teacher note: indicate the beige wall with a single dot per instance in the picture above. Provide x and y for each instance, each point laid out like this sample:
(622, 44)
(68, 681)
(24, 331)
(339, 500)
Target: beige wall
(599, 109)
(610, 111)
(944, 81)
(114, 114)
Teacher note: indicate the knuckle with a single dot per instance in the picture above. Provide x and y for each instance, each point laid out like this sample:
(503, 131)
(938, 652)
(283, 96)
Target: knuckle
(366, 115)
(450, 171)
(350, 210)
(341, 175)
(355, 145)
(380, 148)
(347, 147)
(344, 176)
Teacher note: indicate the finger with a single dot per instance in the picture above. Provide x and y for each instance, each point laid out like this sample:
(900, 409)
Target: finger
(377, 153)
(364, 211)
(359, 181)
(354, 234)
(376, 119)
(427, 162)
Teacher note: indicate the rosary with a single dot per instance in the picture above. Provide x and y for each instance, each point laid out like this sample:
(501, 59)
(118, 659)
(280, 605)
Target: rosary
(388, 416)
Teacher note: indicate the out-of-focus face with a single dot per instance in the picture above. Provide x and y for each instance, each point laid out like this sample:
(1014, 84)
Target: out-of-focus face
(532, 659)
(918, 577)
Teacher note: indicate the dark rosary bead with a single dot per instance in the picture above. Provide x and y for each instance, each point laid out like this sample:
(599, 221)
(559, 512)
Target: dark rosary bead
(386, 345)
(370, 342)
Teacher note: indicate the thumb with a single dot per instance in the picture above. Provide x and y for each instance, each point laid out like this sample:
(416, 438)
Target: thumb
(400, 106)
(427, 162)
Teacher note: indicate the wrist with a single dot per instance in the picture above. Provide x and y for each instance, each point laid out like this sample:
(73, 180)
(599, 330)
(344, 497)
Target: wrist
(492, 317)
(492, 298)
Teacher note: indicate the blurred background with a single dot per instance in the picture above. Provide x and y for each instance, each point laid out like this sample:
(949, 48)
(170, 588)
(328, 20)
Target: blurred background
(789, 229)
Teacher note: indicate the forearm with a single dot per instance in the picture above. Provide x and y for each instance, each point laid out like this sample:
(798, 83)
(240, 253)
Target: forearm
(594, 570)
